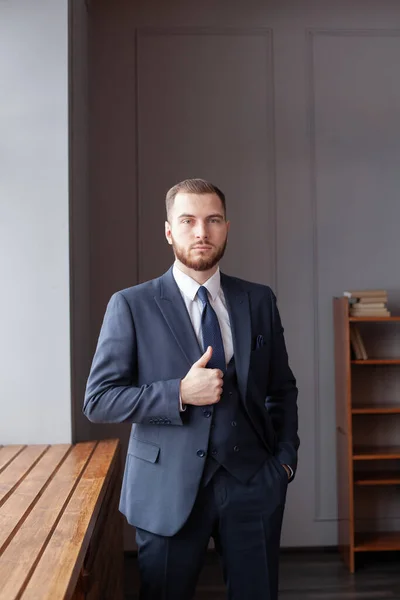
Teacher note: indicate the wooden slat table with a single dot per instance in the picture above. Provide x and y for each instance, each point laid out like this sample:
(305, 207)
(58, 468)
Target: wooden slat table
(60, 529)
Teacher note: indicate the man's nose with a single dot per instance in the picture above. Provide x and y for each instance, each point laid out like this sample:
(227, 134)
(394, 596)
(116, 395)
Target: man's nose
(201, 230)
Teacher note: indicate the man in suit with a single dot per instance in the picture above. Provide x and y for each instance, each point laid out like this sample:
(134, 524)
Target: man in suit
(196, 361)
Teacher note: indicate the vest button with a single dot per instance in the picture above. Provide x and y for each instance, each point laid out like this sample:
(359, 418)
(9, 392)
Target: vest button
(214, 451)
(200, 453)
(207, 413)
(231, 393)
(233, 423)
(236, 448)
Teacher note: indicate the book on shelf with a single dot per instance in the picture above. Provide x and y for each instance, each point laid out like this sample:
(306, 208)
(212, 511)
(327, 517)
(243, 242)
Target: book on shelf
(357, 343)
(361, 310)
(367, 303)
(376, 312)
(354, 344)
(370, 315)
(369, 300)
(370, 306)
(366, 294)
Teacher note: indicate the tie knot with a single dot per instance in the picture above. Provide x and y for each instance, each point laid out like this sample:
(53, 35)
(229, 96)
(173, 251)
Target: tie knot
(202, 294)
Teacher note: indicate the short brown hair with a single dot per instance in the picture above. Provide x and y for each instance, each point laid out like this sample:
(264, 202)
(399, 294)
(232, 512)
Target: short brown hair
(193, 186)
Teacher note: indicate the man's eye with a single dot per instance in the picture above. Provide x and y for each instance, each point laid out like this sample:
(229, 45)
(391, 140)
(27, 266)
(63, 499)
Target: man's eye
(215, 220)
(186, 221)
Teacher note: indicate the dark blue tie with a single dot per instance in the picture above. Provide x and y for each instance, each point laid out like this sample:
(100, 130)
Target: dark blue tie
(211, 332)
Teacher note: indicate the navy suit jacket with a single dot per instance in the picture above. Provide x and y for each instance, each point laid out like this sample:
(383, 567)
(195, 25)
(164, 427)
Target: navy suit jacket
(146, 346)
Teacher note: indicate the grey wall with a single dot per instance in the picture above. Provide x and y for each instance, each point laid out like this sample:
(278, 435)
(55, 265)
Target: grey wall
(293, 109)
(34, 223)
(81, 339)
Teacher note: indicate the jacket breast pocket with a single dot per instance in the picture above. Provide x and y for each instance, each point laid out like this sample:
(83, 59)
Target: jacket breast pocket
(259, 368)
(144, 450)
(260, 356)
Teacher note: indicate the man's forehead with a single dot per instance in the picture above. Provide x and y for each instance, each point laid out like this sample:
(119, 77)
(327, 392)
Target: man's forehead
(200, 203)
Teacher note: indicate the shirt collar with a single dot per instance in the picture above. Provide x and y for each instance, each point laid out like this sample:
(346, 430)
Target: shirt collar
(189, 286)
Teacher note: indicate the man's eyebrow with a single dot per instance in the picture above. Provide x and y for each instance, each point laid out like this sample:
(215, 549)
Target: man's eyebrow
(183, 215)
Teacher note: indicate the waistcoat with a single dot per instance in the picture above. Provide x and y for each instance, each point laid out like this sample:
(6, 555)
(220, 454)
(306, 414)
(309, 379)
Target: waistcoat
(233, 442)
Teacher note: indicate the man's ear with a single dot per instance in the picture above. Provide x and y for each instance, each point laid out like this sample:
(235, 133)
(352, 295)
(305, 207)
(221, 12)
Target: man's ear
(168, 234)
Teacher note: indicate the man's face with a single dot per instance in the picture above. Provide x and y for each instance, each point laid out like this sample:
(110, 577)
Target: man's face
(197, 230)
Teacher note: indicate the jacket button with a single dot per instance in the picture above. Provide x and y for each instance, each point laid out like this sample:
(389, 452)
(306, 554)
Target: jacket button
(231, 393)
(201, 453)
(207, 413)
(233, 423)
(236, 448)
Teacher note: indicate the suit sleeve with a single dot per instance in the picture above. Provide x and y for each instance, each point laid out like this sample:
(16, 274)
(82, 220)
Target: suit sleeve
(281, 402)
(112, 395)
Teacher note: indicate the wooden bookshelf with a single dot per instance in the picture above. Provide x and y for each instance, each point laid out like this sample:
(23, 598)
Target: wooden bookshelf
(366, 469)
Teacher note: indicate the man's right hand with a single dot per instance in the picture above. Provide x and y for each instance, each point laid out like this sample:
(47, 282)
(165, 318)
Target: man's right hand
(201, 385)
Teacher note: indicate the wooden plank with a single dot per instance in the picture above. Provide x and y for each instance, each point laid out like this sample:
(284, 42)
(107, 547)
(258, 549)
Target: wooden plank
(373, 319)
(378, 541)
(376, 453)
(7, 454)
(377, 478)
(104, 561)
(376, 410)
(17, 507)
(20, 557)
(18, 469)
(344, 436)
(377, 361)
(57, 572)
(109, 507)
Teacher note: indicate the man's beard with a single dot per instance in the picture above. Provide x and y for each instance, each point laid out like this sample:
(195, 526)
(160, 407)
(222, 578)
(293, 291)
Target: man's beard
(199, 264)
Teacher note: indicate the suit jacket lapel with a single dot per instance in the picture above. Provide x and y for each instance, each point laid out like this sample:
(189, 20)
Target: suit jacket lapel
(174, 311)
(239, 313)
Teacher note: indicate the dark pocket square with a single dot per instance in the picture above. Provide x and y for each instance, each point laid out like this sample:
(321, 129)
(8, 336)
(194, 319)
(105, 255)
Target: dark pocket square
(259, 342)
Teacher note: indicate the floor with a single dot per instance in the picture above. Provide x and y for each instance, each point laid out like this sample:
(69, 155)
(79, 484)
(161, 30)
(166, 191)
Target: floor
(307, 575)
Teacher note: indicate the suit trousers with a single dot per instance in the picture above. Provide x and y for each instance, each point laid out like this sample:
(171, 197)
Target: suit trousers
(245, 521)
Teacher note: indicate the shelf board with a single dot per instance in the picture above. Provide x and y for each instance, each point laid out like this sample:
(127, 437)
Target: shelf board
(377, 478)
(376, 453)
(366, 319)
(377, 361)
(376, 410)
(371, 542)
